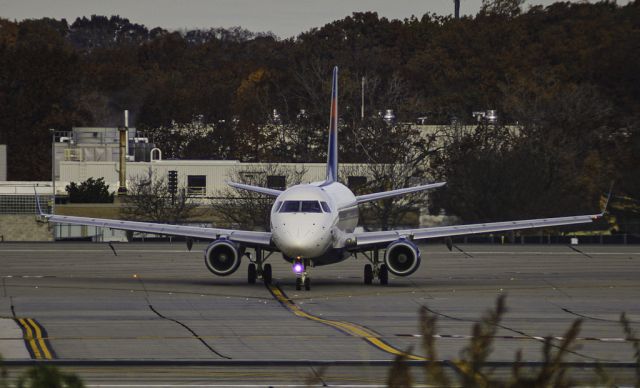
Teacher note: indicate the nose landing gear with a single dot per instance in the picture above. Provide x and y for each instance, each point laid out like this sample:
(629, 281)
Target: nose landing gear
(303, 280)
(302, 276)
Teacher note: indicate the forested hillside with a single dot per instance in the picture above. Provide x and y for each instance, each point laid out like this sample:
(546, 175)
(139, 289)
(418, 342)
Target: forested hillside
(568, 74)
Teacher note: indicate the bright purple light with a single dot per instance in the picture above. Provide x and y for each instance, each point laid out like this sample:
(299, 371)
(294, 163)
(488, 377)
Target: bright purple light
(297, 268)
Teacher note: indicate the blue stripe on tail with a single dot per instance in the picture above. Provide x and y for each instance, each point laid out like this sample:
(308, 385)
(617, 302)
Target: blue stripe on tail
(332, 153)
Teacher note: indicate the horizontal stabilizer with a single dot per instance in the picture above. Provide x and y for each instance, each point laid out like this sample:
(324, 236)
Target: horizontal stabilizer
(394, 193)
(256, 189)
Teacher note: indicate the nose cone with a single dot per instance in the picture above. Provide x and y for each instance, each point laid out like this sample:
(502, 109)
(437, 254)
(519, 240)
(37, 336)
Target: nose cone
(304, 240)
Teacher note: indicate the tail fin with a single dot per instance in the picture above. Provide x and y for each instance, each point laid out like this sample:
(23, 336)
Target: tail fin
(332, 153)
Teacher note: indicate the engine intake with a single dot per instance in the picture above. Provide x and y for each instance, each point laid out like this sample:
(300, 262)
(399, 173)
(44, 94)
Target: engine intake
(222, 257)
(402, 257)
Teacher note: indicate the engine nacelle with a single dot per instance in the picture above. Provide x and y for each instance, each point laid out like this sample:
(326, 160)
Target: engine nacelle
(222, 257)
(402, 257)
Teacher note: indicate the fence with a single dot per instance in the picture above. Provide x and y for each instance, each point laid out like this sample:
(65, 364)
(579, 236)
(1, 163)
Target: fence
(23, 204)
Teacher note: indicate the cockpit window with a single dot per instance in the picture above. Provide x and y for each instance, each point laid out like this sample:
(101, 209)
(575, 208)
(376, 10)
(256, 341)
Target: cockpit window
(325, 207)
(300, 207)
(311, 207)
(290, 207)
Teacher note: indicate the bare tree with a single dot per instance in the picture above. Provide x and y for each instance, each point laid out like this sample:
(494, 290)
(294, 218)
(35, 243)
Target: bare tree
(249, 210)
(149, 199)
(397, 156)
(299, 142)
(390, 212)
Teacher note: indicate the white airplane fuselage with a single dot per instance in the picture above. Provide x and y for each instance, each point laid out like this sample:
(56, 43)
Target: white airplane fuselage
(302, 229)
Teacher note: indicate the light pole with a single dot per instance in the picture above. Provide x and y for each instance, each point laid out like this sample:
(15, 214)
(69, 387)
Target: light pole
(362, 105)
(53, 168)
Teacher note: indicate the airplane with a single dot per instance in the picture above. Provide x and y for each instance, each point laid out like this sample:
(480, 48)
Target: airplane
(315, 224)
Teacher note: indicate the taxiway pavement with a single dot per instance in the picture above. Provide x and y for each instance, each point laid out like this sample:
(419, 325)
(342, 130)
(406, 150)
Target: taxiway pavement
(157, 302)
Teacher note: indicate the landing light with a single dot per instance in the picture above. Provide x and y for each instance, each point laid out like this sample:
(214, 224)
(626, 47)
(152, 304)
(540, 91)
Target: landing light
(298, 267)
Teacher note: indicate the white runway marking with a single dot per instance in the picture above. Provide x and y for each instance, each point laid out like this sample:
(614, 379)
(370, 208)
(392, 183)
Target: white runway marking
(517, 337)
(26, 276)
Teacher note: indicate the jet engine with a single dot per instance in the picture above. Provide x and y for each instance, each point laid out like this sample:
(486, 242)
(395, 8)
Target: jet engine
(402, 257)
(222, 257)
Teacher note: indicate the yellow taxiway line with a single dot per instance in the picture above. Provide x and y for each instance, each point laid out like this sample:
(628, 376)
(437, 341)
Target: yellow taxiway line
(349, 328)
(36, 344)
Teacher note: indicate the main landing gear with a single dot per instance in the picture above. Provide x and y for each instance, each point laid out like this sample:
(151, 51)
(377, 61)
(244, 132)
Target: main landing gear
(375, 269)
(300, 266)
(257, 268)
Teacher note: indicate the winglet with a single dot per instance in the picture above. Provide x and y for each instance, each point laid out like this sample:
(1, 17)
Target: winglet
(603, 209)
(38, 207)
(40, 215)
(606, 203)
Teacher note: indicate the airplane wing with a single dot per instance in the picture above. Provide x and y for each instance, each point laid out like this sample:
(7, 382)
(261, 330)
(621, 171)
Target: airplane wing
(394, 193)
(241, 236)
(257, 189)
(250, 238)
(363, 239)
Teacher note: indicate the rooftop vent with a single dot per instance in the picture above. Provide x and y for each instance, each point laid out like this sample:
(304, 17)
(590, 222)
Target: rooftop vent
(489, 116)
(389, 116)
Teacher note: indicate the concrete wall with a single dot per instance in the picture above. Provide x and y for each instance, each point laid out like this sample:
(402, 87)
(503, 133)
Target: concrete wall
(23, 227)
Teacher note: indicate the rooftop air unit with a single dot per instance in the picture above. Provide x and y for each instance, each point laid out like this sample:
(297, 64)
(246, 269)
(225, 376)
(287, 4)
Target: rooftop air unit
(492, 116)
(389, 116)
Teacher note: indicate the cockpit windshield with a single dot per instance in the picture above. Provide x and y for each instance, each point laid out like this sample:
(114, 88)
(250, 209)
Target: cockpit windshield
(300, 207)
(290, 207)
(311, 207)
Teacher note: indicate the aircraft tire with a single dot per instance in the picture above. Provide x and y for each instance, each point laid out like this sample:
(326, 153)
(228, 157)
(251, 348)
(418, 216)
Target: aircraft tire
(252, 274)
(384, 275)
(368, 274)
(307, 284)
(298, 284)
(267, 274)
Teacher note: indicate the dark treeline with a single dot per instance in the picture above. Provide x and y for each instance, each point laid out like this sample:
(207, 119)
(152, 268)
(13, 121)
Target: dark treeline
(567, 73)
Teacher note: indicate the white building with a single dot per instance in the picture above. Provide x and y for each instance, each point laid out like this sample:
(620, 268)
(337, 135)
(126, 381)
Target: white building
(88, 152)
(201, 178)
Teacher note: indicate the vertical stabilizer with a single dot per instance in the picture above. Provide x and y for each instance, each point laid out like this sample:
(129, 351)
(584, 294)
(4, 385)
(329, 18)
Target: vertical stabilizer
(332, 153)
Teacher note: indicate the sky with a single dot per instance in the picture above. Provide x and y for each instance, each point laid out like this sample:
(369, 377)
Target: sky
(285, 18)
